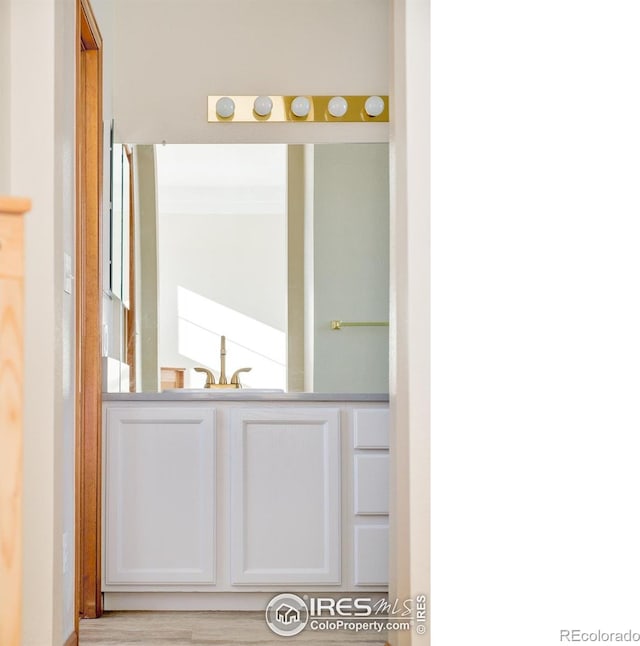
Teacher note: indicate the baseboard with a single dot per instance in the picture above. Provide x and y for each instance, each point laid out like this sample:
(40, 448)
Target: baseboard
(186, 601)
(72, 640)
(251, 601)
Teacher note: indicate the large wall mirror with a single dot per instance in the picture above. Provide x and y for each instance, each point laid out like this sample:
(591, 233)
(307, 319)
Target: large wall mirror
(263, 244)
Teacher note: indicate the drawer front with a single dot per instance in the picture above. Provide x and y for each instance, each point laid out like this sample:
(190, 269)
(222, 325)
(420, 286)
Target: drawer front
(371, 484)
(371, 428)
(371, 555)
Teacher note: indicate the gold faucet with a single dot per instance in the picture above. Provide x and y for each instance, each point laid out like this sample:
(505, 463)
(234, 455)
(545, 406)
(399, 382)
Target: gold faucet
(222, 382)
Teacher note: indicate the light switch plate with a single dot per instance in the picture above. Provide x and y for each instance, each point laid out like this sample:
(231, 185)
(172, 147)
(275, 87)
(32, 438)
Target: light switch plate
(105, 340)
(68, 274)
(65, 552)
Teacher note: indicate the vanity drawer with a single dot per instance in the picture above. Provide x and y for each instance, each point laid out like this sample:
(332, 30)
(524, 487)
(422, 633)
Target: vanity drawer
(371, 428)
(371, 555)
(371, 484)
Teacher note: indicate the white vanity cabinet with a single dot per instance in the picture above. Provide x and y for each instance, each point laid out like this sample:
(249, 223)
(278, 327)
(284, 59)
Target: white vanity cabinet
(216, 503)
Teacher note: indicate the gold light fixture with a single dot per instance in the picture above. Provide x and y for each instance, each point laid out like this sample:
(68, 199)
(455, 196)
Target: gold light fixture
(304, 108)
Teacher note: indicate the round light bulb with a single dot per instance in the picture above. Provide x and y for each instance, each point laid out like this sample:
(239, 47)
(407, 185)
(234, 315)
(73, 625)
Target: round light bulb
(374, 106)
(225, 107)
(338, 106)
(300, 106)
(263, 105)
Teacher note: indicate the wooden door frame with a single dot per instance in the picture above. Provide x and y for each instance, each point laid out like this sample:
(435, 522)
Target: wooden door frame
(89, 146)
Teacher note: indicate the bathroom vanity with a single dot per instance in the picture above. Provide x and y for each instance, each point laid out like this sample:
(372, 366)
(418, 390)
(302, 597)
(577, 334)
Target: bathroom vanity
(218, 500)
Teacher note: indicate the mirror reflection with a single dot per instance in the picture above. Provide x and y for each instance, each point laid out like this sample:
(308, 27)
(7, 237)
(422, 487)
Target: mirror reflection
(253, 250)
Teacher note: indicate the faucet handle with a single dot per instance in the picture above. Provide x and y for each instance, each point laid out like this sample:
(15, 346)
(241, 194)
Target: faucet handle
(211, 380)
(235, 380)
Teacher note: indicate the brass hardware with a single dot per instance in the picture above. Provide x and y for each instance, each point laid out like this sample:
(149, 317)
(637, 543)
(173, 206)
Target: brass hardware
(235, 380)
(223, 361)
(211, 380)
(338, 325)
(281, 110)
(222, 382)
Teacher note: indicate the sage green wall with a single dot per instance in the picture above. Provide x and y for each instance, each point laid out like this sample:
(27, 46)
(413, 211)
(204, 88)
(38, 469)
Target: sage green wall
(146, 213)
(351, 267)
(295, 268)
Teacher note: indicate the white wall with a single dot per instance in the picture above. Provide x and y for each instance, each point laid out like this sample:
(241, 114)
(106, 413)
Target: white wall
(410, 386)
(170, 56)
(64, 159)
(5, 84)
(223, 259)
(42, 103)
(351, 267)
(226, 261)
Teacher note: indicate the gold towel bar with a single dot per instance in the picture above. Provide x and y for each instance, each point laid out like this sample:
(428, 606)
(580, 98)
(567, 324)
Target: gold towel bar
(338, 325)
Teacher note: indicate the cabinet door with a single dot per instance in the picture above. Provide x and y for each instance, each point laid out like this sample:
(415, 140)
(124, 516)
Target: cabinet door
(159, 496)
(285, 496)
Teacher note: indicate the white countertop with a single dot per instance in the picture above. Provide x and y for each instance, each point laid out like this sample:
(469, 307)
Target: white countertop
(244, 395)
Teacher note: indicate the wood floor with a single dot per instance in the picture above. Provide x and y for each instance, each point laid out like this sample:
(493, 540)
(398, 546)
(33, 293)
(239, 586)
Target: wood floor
(205, 629)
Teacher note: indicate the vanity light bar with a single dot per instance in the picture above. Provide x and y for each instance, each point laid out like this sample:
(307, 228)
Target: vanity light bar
(278, 109)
